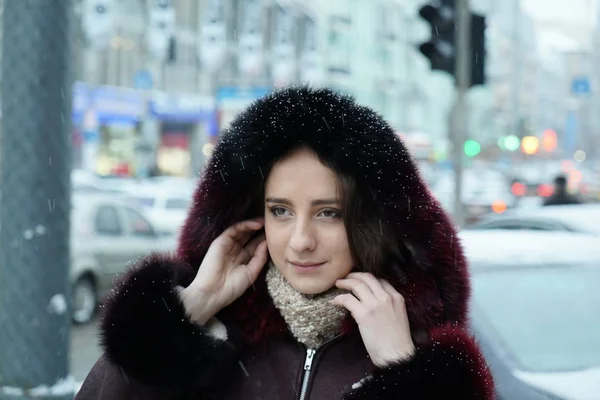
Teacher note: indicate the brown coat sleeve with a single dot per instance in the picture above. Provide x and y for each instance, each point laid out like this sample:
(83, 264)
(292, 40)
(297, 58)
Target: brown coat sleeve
(146, 333)
(449, 366)
(104, 382)
(107, 381)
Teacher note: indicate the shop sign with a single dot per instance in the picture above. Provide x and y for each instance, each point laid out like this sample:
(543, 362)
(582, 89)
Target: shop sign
(110, 104)
(182, 108)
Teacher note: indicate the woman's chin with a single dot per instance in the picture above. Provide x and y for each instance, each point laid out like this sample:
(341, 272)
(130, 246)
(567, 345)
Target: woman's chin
(310, 286)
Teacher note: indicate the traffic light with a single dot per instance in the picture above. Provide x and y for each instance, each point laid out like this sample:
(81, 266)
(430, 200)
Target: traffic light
(530, 145)
(549, 140)
(477, 49)
(511, 143)
(441, 48)
(472, 148)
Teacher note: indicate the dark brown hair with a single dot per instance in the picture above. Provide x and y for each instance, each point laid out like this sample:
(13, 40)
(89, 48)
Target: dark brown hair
(371, 245)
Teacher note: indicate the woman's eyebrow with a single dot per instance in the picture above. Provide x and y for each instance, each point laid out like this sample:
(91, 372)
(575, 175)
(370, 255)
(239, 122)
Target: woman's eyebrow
(279, 200)
(316, 202)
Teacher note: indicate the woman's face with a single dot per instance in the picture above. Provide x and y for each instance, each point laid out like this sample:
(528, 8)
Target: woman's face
(304, 227)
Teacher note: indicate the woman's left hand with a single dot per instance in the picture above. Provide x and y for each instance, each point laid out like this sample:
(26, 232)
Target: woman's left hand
(380, 313)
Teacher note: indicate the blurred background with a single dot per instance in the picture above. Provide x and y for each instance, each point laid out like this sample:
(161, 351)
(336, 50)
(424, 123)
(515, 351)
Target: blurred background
(155, 81)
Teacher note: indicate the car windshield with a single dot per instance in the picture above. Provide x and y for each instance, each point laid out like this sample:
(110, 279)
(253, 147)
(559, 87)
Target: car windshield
(548, 318)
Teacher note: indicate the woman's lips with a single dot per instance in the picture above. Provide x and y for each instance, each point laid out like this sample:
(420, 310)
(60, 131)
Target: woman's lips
(306, 266)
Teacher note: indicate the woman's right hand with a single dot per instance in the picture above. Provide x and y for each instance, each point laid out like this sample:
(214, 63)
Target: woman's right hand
(229, 268)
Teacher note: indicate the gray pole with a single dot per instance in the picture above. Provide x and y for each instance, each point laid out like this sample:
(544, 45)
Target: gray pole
(459, 118)
(35, 205)
(516, 125)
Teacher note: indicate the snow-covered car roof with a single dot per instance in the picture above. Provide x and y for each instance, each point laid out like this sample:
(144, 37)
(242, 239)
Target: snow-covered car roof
(513, 247)
(580, 217)
(158, 189)
(563, 211)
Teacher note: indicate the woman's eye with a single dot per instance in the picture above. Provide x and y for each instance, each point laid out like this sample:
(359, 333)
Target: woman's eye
(279, 211)
(330, 213)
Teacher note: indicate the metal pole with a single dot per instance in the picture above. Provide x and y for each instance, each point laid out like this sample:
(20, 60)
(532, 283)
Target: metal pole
(35, 205)
(517, 61)
(459, 118)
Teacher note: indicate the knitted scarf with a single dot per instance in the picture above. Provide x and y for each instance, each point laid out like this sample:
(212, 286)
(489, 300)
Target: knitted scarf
(311, 318)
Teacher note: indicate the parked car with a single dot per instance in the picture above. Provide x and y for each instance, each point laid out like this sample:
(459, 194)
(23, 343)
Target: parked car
(535, 311)
(107, 233)
(166, 204)
(83, 180)
(581, 218)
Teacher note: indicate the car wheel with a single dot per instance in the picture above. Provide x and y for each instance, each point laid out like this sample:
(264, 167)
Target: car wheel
(84, 300)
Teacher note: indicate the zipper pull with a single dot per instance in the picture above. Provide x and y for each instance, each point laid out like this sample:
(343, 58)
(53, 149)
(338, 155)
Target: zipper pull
(310, 353)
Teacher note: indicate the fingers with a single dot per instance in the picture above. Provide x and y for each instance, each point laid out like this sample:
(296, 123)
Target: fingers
(250, 248)
(242, 231)
(258, 261)
(373, 283)
(360, 289)
(396, 296)
(348, 301)
(367, 288)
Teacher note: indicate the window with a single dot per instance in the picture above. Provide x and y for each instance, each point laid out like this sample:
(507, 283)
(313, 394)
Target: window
(340, 42)
(107, 221)
(139, 225)
(387, 22)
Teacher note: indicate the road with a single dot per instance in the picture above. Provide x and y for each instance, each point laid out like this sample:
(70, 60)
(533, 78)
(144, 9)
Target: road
(85, 349)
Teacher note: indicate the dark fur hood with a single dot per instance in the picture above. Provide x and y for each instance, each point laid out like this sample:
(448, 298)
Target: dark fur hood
(359, 142)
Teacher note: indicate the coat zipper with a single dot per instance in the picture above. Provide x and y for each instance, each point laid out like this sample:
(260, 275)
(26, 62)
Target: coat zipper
(310, 354)
(308, 361)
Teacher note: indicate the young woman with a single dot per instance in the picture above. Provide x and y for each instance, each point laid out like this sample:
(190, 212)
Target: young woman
(314, 264)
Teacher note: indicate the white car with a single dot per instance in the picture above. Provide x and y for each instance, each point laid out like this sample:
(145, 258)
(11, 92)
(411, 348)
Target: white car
(107, 233)
(582, 218)
(535, 311)
(166, 205)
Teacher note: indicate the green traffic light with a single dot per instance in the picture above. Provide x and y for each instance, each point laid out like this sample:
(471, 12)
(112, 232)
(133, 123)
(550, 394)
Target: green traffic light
(472, 148)
(512, 143)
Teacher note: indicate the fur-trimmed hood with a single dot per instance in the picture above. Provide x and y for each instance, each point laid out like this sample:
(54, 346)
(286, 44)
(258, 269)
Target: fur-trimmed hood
(359, 142)
(153, 350)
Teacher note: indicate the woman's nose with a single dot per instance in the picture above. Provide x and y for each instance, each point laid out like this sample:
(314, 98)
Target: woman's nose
(303, 238)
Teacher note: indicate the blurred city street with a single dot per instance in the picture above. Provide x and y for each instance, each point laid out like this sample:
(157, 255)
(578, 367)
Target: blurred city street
(85, 349)
(110, 112)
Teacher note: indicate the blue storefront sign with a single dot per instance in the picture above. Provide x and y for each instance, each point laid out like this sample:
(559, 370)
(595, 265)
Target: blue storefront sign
(109, 104)
(182, 108)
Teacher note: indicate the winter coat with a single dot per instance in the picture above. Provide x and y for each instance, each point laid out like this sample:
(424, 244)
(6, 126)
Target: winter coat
(153, 350)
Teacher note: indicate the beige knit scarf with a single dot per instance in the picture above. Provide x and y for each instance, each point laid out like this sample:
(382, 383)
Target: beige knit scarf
(312, 319)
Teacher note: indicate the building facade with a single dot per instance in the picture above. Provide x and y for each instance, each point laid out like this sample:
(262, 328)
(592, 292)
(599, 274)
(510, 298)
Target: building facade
(221, 54)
